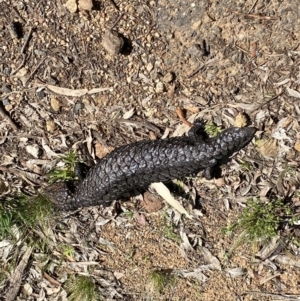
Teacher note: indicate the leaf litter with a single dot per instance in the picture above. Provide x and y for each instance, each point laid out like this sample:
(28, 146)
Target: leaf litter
(223, 69)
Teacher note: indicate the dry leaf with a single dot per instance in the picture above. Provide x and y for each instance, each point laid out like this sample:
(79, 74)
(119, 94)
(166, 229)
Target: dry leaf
(54, 103)
(71, 6)
(50, 125)
(66, 91)
(236, 272)
(85, 4)
(241, 120)
(101, 151)
(268, 148)
(97, 90)
(164, 192)
(128, 114)
(27, 289)
(297, 146)
(293, 92)
(76, 92)
(214, 261)
(151, 203)
(33, 150)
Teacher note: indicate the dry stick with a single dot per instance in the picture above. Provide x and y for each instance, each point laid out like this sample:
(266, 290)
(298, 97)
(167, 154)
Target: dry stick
(117, 21)
(182, 118)
(255, 2)
(267, 102)
(17, 275)
(26, 40)
(5, 115)
(20, 66)
(254, 16)
(35, 70)
(23, 52)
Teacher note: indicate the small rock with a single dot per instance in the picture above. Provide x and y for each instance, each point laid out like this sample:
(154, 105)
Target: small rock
(113, 42)
(50, 125)
(79, 106)
(41, 94)
(149, 67)
(39, 52)
(159, 88)
(27, 289)
(71, 6)
(6, 88)
(55, 105)
(168, 77)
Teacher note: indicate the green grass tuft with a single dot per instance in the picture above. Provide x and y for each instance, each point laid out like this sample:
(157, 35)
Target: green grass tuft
(212, 129)
(259, 222)
(159, 280)
(65, 173)
(24, 213)
(82, 288)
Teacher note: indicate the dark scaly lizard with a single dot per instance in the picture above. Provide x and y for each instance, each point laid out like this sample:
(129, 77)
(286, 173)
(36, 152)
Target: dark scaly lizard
(139, 164)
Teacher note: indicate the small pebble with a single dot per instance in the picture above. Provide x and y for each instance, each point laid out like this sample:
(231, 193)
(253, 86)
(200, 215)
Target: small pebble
(6, 88)
(168, 77)
(159, 88)
(112, 42)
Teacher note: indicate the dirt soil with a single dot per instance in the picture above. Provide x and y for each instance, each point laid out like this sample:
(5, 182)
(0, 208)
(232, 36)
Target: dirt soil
(93, 79)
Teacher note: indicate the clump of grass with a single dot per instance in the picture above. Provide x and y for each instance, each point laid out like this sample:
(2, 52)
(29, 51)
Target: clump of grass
(170, 234)
(168, 230)
(24, 213)
(212, 129)
(82, 288)
(260, 221)
(159, 280)
(65, 173)
(67, 250)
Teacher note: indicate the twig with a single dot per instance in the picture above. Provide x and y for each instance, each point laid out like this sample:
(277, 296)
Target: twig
(17, 13)
(20, 66)
(254, 16)
(26, 40)
(117, 21)
(5, 115)
(267, 102)
(23, 52)
(35, 70)
(182, 118)
(16, 277)
(282, 296)
(255, 2)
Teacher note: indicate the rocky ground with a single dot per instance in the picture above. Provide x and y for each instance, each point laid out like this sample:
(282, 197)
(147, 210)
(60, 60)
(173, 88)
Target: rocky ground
(98, 75)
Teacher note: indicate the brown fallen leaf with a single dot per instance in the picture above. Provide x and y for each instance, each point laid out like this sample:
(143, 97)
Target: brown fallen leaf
(101, 151)
(50, 125)
(55, 104)
(297, 146)
(268, 148)
(182, 118)
(151, 203)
